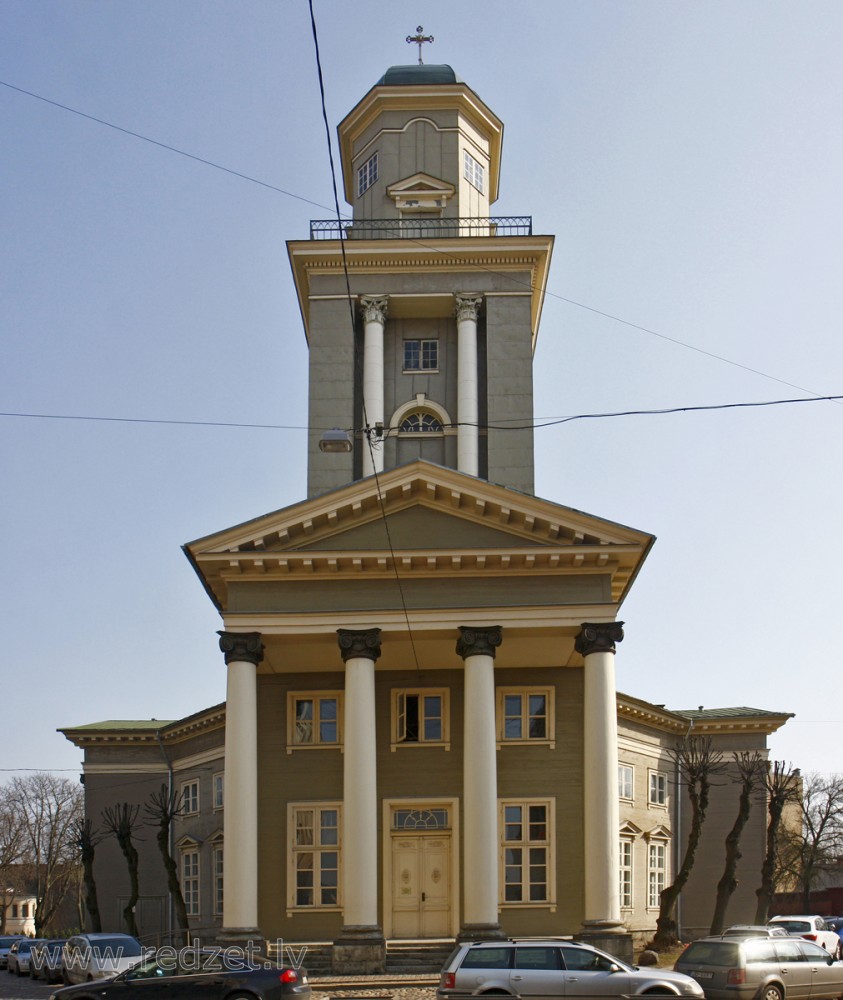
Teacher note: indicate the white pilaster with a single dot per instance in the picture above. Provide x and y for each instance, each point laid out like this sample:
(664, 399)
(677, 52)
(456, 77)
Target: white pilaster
(468, 435)
(360, 649)
(480, 783)
(596, 643)
(374, 309)
(243, 652)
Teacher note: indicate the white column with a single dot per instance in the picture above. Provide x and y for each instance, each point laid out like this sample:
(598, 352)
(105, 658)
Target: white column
(480, 783)
(359, 650)
(601, 817)
(468, 435)
(243, 652)
(374, 310)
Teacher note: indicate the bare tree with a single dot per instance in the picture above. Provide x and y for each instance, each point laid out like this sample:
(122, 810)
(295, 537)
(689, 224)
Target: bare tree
(87, 839)
(783, 787)
(820, 840)
(697, 764)
(121, 821)
(751, 768)
(48, 808)
(160, 811)
(11, 847)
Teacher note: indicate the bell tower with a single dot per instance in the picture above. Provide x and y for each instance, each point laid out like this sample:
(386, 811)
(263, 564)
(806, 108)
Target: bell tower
(432, 358)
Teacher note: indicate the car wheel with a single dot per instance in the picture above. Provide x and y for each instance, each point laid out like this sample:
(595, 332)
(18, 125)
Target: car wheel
(773, 993)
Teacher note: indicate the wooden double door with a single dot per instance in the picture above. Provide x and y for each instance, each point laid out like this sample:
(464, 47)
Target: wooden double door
(421, 884)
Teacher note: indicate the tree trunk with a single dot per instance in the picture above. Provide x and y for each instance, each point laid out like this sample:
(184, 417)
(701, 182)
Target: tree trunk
(173, 884)
(765, 891)
(728, 880)
(90, 886)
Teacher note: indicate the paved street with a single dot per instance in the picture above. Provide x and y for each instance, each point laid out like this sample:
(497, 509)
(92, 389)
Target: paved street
(23, 988)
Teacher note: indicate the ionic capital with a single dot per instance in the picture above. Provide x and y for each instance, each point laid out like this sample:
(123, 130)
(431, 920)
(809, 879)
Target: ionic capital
(354, 643)
(468, 307)
(374, 308)
(479, 641)
(598, 638)
(241, 646)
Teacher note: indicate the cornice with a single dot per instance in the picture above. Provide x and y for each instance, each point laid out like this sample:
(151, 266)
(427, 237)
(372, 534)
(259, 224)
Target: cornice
(169, 733)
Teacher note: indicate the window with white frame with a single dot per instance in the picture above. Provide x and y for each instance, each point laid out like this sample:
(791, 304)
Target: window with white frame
(190, 881)
(419, 715)
(421, 355)
(526, 842)
(314, 856)
(367, 174)
(219, 790)
(656, 872)
(218, 859)
(420, 422)
(525, 715)
(658, 788)
(625, 781)
(625, 872)
(313, 719)
(473, 171)
(190, 798)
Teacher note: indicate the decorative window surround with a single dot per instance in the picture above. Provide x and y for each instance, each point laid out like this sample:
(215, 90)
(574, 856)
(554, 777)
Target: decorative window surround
(314, 720)
(527, 863)
(420, 717)
(313, 859)
(526, 716)
(190, 879)
(656, 872)
(625, 864)
(218, 872)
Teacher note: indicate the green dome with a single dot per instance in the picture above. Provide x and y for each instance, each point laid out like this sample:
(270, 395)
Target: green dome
(403, 76)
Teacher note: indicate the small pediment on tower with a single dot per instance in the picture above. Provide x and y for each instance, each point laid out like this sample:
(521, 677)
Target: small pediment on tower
(421, 193)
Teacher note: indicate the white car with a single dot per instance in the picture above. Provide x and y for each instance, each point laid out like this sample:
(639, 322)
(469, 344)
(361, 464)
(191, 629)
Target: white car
(87, 957)
(812, 928)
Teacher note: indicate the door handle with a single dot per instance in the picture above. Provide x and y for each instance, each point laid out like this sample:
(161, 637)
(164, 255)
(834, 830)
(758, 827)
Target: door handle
(424, 896)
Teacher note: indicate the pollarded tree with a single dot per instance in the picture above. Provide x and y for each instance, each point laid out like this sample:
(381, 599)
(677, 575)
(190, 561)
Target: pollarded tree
(751, 769)
(87, 839)
(121, 821)
(783, 787)
(160, 811)
(697, 764)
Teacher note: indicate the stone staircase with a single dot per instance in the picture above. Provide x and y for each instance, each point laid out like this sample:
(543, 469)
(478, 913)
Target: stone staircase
(421, 957)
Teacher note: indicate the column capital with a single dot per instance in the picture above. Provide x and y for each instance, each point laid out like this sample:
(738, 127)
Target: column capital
(374, 308)
(479, 641)
(243, 646)
(364, 643)
(467, 307)
(598, 637)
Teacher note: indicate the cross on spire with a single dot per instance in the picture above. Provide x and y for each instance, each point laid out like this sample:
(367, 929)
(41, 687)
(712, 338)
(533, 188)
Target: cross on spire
(419, 39)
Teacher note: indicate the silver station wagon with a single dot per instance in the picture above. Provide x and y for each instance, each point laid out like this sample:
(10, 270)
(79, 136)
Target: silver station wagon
(772, 968)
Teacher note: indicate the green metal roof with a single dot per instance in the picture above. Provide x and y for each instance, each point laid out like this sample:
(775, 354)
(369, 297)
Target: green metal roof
(405, 76)
(741, 712)
(110, 725)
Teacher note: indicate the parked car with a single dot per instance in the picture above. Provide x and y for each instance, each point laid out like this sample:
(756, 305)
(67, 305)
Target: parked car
(86, 957)
(542, 968)
(776, 968)
(754, 930)
(6, 943)
(19, 953)
(45, 960)
(812, 929)
(197, 974)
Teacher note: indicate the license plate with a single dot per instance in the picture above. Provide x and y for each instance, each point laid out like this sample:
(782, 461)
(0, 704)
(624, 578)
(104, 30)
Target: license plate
(703, 975)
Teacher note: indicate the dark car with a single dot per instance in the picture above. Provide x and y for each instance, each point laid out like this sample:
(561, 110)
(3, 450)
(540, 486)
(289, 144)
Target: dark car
(197, 974)
(45, 960)
(6, 943)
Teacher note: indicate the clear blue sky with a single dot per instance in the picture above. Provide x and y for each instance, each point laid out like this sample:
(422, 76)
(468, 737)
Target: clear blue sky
(688, 159)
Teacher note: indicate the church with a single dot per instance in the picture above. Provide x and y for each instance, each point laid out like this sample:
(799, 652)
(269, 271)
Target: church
(422, 737)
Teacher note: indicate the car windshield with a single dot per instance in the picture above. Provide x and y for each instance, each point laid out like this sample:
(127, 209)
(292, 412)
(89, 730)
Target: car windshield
(795, 926)
(117, 947)
(7, 942)
(711, 953)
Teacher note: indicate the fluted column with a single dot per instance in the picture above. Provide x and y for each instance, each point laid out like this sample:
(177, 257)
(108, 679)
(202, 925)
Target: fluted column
(374, 309)
(361, 945)
(596, 644)
(468, 435)
(243, 652)
(480, 783)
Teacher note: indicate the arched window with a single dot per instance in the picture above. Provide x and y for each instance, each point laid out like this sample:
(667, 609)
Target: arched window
(420, 422)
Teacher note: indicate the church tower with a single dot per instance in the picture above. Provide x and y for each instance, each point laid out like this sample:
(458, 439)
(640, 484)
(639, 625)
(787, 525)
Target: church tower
(432, 356)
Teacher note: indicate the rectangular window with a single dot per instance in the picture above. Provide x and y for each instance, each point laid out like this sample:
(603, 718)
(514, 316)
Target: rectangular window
(190, 882)
(24, 910)
(190, 798)
(626, 874)
(526, 848)
(218, 882)
(658, 788)
(656, 870)
(367, 174)
(420, 716)
(219, 787)
(315, 856)
(525, 715)
(313, 719)
(15, 911)
(421, 355)
(625, 777)
(473, 171)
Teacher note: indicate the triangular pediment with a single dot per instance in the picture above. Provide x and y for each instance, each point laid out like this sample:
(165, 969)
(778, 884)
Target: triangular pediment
(421, 519)
(422, 183)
